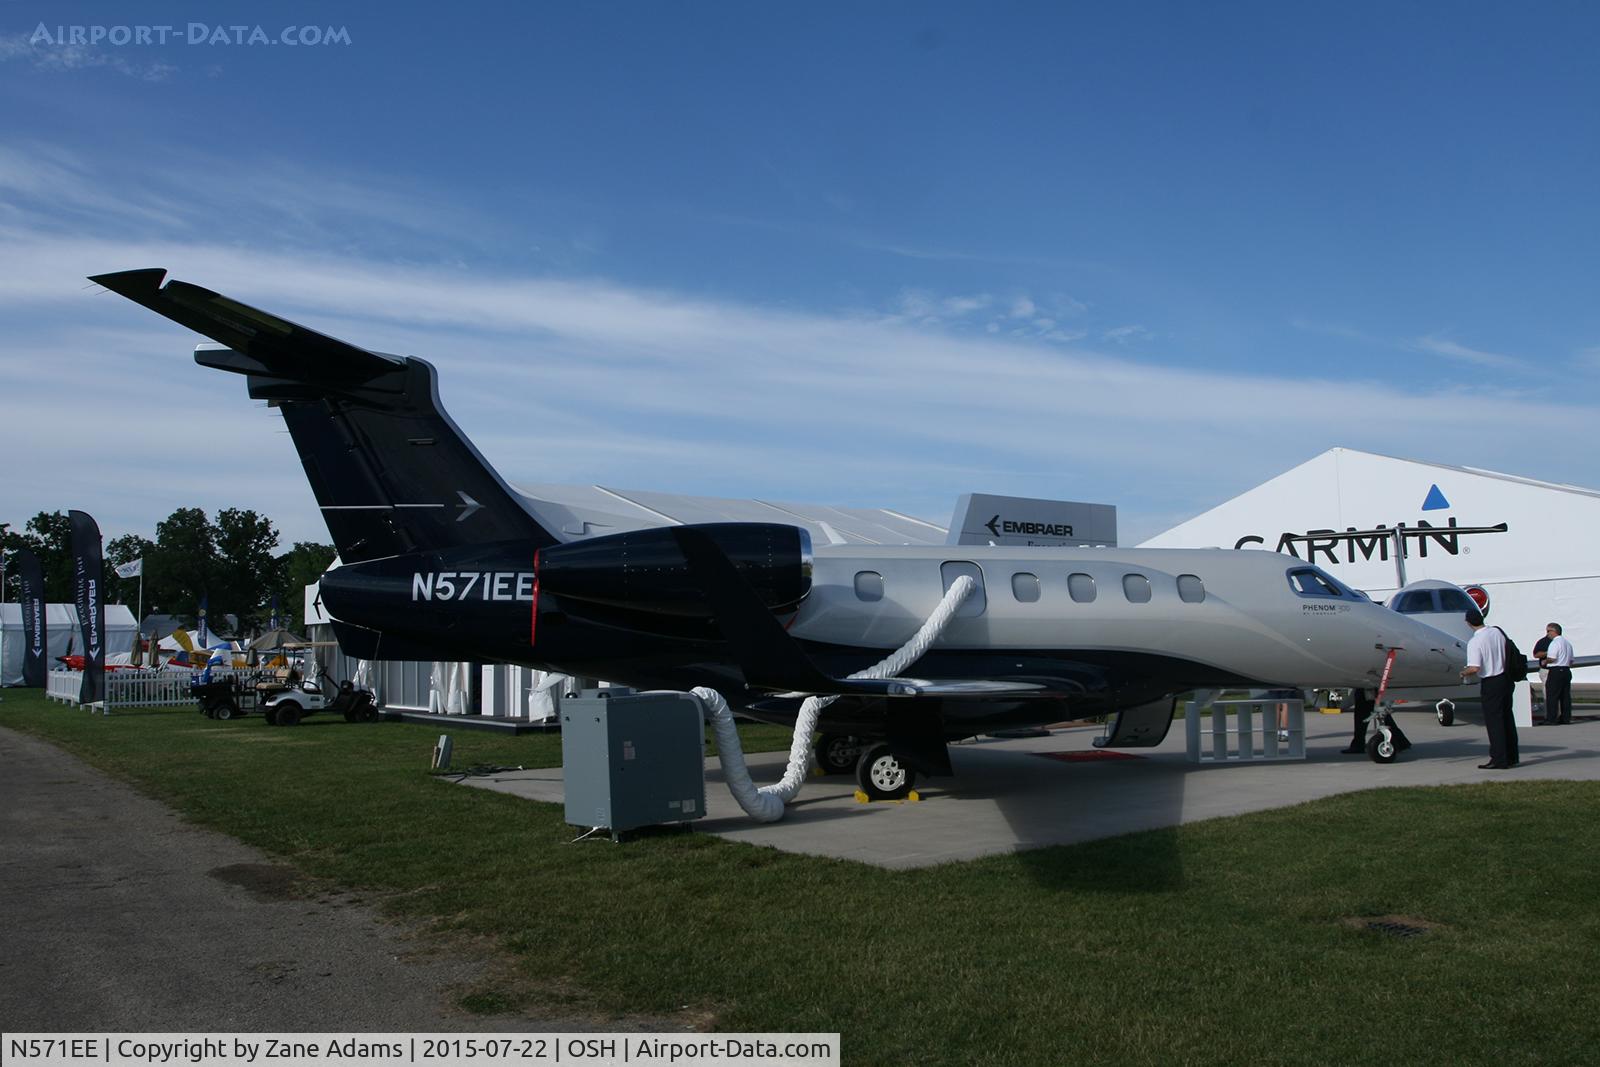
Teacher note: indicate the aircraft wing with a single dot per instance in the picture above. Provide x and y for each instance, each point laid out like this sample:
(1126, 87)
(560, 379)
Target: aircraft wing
(772, 660)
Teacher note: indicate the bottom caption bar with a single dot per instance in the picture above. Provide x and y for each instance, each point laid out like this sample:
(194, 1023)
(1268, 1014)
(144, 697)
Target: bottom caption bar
(438, 1050)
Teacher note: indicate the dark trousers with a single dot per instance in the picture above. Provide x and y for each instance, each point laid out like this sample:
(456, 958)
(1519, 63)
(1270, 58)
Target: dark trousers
(1362, 704)
(1497, 719)
(1558, 695)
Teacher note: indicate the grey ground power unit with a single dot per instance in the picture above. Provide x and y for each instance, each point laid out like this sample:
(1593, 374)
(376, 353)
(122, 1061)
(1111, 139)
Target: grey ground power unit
(632, 759)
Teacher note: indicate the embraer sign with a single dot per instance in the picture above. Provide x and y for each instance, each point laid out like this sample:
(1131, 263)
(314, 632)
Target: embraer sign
(1031, 529)
(983, 519)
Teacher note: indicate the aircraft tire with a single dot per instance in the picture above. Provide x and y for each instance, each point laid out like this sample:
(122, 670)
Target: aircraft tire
(1381, 751)
(838, 753)
(1445, 711)
(288, 714)
(881, 776)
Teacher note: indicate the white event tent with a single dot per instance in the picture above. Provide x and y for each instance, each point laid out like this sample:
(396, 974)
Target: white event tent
(1544, 567)
(61, 626)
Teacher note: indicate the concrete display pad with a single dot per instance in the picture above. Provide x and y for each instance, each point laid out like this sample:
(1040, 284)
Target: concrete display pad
(1012, 795)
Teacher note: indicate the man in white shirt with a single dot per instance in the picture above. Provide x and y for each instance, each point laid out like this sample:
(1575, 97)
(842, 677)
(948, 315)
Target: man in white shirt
(1557, 659)
(1486, 661)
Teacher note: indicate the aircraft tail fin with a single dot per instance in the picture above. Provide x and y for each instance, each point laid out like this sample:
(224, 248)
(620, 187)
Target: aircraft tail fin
(392, 472)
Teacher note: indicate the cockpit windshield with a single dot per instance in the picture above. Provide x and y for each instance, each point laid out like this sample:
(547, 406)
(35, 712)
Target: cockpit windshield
(1313, 581)
(1446, 600)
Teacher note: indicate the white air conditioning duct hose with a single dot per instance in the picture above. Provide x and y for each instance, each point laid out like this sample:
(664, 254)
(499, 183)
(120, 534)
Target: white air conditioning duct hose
(766, 804)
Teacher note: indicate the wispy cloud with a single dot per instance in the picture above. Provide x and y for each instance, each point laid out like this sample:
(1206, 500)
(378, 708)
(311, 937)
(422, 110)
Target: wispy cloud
(67, 57)
(1019, 317)
(905, 409)
(1442, 346)
(1348, 333)
(1124, 335)
(42, 183)
(1432, 344)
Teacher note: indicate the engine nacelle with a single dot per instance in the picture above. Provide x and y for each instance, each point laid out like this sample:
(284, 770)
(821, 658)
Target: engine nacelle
(644, 570)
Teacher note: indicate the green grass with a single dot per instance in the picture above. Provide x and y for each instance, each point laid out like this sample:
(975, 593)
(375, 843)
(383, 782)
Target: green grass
(1223, 942)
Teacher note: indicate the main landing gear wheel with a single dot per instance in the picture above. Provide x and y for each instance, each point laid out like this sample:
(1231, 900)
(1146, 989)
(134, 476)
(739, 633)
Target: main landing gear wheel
(1381, 750)
(288, 714)
(881, 776)
(1445, 711)
(838, 753)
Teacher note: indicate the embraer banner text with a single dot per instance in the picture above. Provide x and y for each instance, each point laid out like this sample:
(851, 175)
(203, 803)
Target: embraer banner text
(395, 1050)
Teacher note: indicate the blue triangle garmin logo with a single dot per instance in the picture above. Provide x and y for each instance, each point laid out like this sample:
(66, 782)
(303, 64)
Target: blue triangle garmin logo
(1435, 501)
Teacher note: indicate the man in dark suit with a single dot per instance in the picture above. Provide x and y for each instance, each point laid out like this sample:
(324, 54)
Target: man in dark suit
(1486, 661)
(1556, 658)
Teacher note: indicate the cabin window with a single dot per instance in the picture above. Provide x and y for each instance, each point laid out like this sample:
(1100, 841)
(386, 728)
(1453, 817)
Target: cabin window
(869, 585)
(1309, 581)
(1025, 587)
(1191, 590)
(1136, 587)
(1081, 586)
(975, 603)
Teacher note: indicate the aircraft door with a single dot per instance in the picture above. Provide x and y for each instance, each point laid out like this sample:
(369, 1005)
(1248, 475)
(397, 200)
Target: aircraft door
(976, 602)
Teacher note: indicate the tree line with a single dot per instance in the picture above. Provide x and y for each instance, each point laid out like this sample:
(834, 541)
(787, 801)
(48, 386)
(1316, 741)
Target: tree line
(229, 560)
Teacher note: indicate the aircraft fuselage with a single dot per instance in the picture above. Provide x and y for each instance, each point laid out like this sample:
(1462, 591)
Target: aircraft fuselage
(1095, 629)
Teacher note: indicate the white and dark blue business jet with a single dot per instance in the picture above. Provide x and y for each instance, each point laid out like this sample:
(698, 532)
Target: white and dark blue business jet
(443, 559)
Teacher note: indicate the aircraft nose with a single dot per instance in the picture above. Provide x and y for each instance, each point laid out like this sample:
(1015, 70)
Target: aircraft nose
(1431, 653)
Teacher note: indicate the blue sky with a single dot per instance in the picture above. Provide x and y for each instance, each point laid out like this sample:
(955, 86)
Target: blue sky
(1144, 254)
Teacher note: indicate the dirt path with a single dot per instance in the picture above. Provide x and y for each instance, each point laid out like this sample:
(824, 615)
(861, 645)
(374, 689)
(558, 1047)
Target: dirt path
(116, 915)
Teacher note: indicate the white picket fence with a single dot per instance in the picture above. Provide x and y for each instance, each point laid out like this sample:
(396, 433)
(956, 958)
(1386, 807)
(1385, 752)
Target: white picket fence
(139, 689)
(63, 686)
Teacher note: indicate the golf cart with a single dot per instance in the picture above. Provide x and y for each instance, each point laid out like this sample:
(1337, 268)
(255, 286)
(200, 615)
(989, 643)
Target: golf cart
(287, 705)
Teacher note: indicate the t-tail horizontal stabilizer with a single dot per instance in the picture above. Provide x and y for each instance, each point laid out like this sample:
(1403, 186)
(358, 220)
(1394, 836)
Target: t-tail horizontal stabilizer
(392, 472)
(261, 343)
(771, 660)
